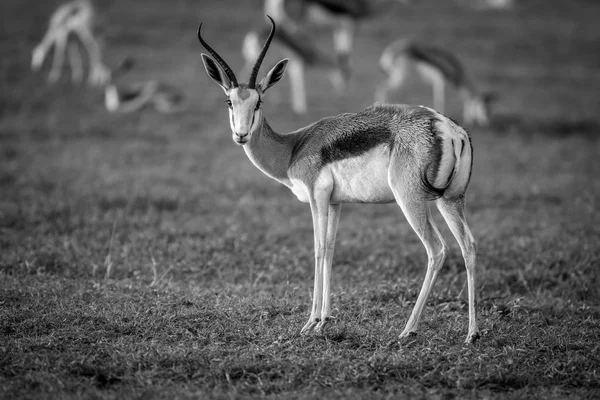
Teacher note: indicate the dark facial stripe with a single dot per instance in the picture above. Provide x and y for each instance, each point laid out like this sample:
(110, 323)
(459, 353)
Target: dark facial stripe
(355, 143)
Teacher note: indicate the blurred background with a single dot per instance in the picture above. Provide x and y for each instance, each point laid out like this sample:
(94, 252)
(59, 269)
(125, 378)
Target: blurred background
(80, 184)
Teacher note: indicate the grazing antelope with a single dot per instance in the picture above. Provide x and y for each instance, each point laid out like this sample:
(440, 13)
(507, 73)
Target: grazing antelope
(301, 52)
(294, 18)
(70, 22)
(436, 66)
(164, 98)
(412, 155)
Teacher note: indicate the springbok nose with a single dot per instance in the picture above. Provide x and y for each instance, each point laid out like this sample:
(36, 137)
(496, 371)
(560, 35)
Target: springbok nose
(241, 135)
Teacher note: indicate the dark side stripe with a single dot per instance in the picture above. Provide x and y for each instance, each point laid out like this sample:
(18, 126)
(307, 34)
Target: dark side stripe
(353, 8)
(448, 64)
(300, 44)
(355, 143)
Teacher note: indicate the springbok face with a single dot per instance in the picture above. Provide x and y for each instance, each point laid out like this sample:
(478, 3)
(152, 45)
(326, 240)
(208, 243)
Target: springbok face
(244, 100)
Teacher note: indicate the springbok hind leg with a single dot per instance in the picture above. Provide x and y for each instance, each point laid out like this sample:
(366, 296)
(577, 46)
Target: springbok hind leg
(418, 215)
(453, 211)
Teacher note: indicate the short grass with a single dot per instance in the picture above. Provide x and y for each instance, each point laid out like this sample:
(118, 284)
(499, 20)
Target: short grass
(143, 256)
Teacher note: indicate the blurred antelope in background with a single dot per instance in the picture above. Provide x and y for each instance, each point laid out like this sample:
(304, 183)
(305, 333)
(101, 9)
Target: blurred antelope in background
(437, 66)
(72, 22)
(294, 18)
(163, 97)
(488, 4)
(410, 155)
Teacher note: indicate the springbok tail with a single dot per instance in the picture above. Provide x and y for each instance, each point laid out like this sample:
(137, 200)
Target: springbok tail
(450, 171)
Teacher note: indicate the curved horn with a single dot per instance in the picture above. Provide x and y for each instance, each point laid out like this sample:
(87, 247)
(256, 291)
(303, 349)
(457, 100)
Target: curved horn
(218, 58)
(252, 82)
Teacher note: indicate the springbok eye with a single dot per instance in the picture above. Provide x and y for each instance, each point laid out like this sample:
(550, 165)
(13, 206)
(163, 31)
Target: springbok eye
(258, 103)
(228, 103)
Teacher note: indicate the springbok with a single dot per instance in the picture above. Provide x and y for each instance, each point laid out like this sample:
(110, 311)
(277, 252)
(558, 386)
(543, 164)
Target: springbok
(412, 155)
(295, 18)
(436, 66)
(71, 21)
(163, 97)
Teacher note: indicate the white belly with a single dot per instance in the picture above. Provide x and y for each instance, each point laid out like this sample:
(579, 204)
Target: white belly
(430, 74)
(362, 179)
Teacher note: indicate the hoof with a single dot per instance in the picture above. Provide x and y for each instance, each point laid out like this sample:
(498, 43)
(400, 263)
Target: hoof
(310, 325)
(320, 328)
(472, 338)
(410, 334)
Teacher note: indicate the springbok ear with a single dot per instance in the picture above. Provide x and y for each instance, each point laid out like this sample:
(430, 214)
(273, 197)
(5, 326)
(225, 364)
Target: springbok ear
(274, 75)
(216, 74)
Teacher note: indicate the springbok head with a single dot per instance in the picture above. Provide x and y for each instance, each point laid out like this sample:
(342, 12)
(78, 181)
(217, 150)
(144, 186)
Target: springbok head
(243, 99)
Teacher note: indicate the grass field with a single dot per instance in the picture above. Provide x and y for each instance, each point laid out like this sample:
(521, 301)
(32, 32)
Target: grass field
(143, 256)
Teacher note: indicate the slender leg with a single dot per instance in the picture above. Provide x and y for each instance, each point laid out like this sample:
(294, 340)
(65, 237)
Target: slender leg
(467, 111)
(319, 216)
(418, 215)
(453, 211)
(343, 36)
(409, 196)
(438, 94)
(75, 61)
(295, 71)
(332, 224)
(320, 208)
(250, 51)
(59, 56)
(41, 50)
(99, 74)
(394, 81)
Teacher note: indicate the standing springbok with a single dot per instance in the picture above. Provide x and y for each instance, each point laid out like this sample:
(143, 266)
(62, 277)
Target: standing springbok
(72, 20)
(436, 66)
(295, 17)
(408, 154)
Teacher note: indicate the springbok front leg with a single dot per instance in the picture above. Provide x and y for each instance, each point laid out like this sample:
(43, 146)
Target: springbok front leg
(99, 74)
(75, 61)
(343, 35)
(453, 211)
(332, 225)
(41, 51)
(319, 207)
(296, 75)
(439, 95)
(396, 76)
(60, 44)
